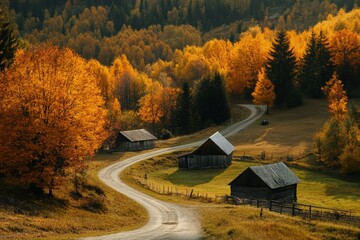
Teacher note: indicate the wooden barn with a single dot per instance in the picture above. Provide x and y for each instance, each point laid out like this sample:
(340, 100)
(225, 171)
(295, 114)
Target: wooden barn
(134, 140)
(271, 182)
(215, 152)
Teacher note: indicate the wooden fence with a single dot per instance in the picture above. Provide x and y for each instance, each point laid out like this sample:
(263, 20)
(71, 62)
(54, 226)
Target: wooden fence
(303, 210)
(189, 193)
(293, 209)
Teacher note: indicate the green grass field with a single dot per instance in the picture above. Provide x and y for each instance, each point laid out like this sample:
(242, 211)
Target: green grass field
(289, 133)
(319, 188)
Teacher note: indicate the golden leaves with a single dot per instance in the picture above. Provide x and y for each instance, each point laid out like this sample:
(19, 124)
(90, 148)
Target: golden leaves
(54, 114)
(337, 97)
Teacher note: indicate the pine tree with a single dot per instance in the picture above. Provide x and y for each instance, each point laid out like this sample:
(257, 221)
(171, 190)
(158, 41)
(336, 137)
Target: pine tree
(221, 106)
(281, 68)
(211, 101)
(317, 66)
(308, 74)
(326, 64)
(8, 41)
(183, 110)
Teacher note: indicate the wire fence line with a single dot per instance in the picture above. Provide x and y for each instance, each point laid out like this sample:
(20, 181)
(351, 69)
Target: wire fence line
(189, 193)
(308, 212)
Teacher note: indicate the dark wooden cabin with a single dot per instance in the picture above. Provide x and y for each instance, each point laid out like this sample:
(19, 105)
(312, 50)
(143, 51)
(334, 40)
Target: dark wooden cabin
(134, 140)
(215, 152)
(271, 182)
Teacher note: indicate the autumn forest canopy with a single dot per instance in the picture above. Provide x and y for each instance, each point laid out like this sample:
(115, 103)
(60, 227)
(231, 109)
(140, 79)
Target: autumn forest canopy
(73, 73)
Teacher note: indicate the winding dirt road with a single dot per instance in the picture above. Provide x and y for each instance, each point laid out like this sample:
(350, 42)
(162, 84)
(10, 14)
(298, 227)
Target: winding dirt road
(166, 220)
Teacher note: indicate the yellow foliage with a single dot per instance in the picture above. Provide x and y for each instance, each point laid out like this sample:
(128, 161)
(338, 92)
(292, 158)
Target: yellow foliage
(337, 97)
(264, 90)
(246, 58)
(53, 116)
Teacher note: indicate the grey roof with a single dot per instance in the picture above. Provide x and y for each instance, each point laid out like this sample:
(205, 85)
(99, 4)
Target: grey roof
(222, 143)
(275, 175)
(138, 135)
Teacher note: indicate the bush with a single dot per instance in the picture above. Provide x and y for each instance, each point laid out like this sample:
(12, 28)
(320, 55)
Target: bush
(96, 205)
(165, 134)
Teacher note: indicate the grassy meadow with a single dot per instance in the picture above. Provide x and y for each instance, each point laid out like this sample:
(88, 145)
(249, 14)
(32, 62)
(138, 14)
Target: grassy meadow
(69, 216)
(289, 133)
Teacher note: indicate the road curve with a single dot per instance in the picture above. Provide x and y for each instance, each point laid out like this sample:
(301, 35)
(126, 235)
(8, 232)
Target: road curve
(166, 220)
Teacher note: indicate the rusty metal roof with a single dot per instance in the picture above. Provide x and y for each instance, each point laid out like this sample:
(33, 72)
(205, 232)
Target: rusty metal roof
(138, 135)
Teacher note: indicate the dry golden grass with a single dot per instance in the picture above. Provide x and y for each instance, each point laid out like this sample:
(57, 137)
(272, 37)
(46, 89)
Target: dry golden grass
(242, 222)
(290, 131)
(64, 218)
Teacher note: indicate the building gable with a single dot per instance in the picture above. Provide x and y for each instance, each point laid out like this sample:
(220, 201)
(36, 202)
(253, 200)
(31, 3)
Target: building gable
(274, 176)
(137, 135)
(215, 145)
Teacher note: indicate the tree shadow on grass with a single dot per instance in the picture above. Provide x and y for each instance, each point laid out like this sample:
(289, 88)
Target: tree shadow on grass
(337, 186)
(191, 178)
(20, 200)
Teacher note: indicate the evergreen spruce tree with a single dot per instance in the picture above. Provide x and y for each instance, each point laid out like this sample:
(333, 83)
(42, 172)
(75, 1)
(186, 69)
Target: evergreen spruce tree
(203, 102)
(281, 69)
(317, 67)
(183, 111)
(326, 65)
(221, 106)
(8, 41)
(308, 74)
(211, 101)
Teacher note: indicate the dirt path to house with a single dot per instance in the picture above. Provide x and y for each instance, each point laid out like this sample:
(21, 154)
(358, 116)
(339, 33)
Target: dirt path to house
(166, 220)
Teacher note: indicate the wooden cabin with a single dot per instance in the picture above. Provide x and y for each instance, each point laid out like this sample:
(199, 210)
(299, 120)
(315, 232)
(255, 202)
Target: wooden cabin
(134, 140)
(215, 152)
(271, 182)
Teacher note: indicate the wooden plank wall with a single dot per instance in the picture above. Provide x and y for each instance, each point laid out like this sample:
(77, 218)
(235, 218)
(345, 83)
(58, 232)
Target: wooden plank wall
(205, 161)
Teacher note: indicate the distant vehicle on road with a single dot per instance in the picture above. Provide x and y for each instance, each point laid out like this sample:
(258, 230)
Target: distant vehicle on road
(264, 122)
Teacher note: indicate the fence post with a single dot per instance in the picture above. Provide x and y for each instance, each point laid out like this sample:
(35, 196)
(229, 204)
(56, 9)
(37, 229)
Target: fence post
(293, 209)
(270, 206)
(281, 206)
(257, 203)
(310, 212)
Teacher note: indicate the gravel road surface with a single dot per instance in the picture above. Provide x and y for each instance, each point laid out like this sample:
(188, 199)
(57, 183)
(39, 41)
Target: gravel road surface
(166, 220)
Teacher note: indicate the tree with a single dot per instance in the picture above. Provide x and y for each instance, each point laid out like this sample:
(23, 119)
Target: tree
(246, 58)
(337, 97)
(156, 105)
(8, 41)
(317, 67)
(221, 104)
(264, 91)
(329, 142)
(281, 68)
(346, 49)
(211, 101)
(52, 117)
(183, 113)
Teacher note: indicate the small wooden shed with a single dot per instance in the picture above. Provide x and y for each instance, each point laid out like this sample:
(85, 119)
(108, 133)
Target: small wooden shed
(215, 152)
(271, 182)
(134, 140)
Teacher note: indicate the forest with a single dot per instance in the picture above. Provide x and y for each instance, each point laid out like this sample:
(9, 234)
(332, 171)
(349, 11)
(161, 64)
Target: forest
(147, 63)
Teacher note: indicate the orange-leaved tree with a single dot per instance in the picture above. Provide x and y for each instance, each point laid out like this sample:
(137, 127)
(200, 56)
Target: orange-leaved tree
(156, 106)
(334, 90)
(52, 117)
(264, 91)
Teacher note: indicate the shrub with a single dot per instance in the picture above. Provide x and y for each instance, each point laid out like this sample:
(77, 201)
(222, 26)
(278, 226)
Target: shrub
(96, 205)
(165, 134)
